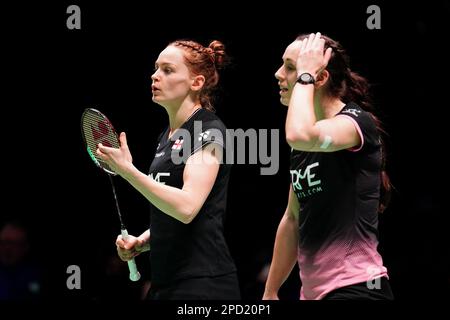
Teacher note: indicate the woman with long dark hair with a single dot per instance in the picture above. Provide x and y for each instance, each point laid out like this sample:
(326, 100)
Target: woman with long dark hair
(339, 183)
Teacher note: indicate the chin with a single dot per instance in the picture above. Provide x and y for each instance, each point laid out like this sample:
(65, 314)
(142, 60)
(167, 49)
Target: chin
(284, 102)
(157, 101)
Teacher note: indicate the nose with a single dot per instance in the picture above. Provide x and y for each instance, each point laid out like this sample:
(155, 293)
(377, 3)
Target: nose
(278, 73)
(154, 76)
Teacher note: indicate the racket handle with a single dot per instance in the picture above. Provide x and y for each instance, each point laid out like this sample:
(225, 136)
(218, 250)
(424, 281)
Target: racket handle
(134, 273)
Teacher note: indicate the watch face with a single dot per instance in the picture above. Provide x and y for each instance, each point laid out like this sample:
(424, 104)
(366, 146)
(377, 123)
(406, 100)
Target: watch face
(306, 77)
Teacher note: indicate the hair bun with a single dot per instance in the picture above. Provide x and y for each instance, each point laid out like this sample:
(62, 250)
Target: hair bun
(217, 51)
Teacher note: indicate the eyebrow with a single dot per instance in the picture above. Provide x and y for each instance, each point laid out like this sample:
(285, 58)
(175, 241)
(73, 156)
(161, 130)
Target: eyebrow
(164, 63)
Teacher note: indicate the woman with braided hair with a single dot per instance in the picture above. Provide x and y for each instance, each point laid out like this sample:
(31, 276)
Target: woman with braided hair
(189, 256)
(338, 181)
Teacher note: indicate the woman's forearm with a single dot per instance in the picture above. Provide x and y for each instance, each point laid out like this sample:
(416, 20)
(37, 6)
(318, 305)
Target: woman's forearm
(301, 132)
(284, 254)
(175, 202)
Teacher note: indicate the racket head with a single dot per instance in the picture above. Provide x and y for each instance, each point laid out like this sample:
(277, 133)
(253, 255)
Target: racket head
(95, 129)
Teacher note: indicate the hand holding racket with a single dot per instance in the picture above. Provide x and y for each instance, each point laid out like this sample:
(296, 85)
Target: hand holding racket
(118, 159)
(96, 129)
(130, 248)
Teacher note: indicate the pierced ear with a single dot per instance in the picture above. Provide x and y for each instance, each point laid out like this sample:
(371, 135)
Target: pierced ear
(198, 82)
(322, 78)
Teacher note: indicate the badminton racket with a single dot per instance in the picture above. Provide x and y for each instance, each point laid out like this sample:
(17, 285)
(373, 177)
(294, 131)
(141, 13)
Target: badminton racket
(95, 129)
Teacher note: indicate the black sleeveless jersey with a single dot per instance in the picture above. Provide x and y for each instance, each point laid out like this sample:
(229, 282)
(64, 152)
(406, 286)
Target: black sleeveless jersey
(178, 250)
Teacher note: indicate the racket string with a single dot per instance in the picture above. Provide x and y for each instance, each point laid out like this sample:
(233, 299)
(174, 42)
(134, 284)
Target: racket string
(97, 129)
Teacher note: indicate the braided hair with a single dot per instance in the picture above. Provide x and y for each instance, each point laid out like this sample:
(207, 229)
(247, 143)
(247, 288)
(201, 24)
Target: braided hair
(204, 61)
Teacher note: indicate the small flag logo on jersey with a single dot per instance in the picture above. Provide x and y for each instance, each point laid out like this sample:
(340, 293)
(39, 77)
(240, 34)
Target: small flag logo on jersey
(177, 145)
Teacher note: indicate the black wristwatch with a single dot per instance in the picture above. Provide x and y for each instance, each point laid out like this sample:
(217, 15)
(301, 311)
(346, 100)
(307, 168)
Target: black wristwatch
(306, 78)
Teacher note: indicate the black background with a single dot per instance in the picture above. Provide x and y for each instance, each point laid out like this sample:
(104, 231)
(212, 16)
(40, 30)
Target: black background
(55, 73)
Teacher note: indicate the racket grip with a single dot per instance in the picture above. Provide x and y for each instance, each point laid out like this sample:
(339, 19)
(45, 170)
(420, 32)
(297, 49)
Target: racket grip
(134, 273)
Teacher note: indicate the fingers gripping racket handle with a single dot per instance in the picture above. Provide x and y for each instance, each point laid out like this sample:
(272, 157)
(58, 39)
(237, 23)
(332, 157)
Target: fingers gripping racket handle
(134, 273)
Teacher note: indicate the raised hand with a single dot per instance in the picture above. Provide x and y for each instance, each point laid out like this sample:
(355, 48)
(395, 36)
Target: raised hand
(311, 56)
(119, 159)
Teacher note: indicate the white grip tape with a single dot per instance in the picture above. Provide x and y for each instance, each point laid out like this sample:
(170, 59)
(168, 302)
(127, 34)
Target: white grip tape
(134, 273)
